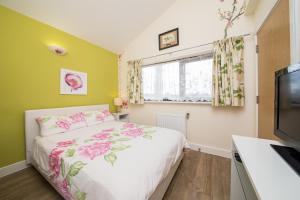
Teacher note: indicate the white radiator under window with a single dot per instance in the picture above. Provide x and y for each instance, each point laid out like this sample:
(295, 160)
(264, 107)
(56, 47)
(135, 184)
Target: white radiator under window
(172, 121)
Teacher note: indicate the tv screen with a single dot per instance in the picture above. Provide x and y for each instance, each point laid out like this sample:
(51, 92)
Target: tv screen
(288, 104)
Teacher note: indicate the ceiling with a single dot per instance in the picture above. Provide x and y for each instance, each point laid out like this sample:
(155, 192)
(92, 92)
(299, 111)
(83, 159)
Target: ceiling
(111, 24)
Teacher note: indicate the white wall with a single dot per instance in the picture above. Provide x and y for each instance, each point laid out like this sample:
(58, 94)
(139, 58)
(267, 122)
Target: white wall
(198, 23)
(262, 11)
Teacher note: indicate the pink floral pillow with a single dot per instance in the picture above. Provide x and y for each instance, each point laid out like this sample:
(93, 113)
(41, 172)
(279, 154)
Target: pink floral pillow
(78, 120)
(58, 124)
(107, 116)
(98, 117)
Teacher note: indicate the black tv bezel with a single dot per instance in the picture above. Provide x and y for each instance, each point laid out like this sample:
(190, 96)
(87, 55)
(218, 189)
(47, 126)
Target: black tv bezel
(279, 133)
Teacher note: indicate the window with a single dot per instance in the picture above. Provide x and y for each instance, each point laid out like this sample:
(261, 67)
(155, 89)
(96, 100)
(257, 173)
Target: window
(185, 80)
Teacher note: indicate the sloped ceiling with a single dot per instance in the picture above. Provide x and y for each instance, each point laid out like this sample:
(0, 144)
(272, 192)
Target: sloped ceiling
(111, 24)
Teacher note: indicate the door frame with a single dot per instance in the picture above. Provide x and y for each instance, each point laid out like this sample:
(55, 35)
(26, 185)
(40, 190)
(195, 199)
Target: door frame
(294, 39)
(295, 30)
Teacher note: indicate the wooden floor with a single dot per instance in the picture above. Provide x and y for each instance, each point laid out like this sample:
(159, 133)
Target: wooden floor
(200, 176)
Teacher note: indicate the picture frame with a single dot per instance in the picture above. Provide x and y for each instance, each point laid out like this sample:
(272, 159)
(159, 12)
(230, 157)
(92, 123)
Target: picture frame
(168, 39)
(73, 82)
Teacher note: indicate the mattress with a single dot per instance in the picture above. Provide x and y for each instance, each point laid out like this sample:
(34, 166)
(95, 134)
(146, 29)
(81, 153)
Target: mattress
(112, 161)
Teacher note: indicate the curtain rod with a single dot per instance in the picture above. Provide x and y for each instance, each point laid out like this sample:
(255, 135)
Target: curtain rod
(188, 48)
(202, 56)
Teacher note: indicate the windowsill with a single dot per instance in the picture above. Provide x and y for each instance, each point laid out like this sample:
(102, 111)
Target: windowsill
(177, 102)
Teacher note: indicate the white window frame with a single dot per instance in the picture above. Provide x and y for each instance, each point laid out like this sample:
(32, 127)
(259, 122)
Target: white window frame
(182, 62)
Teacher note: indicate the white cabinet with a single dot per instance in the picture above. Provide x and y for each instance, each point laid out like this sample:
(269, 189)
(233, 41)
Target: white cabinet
(258, 172)
(236, 190)
(241, 187)
(124, 117)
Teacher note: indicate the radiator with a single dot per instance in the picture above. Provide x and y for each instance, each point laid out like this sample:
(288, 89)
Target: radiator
(172, 121)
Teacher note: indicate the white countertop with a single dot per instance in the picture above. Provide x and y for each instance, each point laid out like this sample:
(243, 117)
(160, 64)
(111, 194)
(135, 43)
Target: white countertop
(271, 177)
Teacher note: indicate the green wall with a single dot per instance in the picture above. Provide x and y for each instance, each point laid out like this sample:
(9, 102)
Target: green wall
(29, 75)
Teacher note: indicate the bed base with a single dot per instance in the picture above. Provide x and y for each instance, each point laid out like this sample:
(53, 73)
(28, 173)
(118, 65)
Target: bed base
(164, 184)
(35, 165)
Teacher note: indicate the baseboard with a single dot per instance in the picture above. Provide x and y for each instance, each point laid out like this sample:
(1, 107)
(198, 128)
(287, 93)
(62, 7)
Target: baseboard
(210, 150)
(10, 169)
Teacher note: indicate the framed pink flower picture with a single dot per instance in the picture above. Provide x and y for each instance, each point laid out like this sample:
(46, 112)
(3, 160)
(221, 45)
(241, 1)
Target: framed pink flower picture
(73, 82)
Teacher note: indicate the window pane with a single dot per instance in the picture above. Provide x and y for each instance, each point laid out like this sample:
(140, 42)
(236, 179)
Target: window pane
(149, 80)
(170, 80)
(198, 80)
(184, 80)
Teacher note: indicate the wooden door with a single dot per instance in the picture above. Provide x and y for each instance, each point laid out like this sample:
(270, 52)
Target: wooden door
(273, 41)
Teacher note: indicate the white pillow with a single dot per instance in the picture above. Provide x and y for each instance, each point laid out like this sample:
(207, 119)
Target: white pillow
(51, 124)
(98, 117)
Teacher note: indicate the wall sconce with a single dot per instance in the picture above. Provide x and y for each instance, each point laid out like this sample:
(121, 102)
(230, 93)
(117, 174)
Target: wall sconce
(58, 50)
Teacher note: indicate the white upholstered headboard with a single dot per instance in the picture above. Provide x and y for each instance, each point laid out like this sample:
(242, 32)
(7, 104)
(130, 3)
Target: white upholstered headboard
(32, 128)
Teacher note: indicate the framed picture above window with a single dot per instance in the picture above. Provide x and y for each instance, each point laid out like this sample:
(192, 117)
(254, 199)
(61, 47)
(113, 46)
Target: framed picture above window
(184, 80)
(168, 39)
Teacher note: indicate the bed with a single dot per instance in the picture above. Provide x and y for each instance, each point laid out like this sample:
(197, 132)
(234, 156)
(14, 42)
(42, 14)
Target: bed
(105, 161)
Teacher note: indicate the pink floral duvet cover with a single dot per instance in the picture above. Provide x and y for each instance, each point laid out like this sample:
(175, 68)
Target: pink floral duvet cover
(111, 161)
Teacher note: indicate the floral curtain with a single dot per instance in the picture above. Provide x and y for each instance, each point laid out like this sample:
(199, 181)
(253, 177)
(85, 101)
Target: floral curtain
(228, 72)
(135, 87)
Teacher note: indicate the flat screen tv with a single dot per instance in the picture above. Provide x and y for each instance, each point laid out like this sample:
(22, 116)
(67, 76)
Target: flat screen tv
(287, 114)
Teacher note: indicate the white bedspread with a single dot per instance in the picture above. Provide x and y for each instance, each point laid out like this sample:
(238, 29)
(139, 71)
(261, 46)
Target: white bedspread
(110, 161)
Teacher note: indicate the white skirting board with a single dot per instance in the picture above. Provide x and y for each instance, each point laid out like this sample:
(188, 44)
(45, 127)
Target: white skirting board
(10, 169)
(210, 150)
